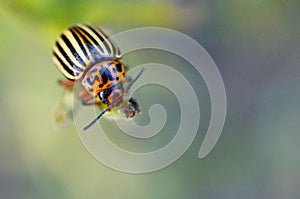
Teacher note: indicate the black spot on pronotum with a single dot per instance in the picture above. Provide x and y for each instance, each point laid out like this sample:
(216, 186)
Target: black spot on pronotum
(91, 80)
(104, 78)
(96, 78)
(100, 85)
(119, 67)
(109, 75)
(106, 74)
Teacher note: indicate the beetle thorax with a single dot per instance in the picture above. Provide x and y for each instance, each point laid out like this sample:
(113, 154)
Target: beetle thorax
(103, 75)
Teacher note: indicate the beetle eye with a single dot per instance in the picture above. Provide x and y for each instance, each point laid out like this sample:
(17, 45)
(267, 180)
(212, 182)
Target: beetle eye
(103, 95)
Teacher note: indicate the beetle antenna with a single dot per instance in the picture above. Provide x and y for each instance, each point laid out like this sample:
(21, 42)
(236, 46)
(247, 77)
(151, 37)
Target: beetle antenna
(95, 120)
(134, 80)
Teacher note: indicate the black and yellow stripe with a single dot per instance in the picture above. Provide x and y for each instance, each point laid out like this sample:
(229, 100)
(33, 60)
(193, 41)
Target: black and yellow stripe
(81, 46)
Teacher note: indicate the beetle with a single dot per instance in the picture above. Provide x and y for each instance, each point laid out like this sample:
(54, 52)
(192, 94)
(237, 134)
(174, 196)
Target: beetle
(86, 54)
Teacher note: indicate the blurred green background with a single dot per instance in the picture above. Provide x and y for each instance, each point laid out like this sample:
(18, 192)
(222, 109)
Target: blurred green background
(256, 46)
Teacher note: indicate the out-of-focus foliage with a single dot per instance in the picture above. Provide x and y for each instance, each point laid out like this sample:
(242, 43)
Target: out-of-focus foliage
(256, 46)
(72, 11)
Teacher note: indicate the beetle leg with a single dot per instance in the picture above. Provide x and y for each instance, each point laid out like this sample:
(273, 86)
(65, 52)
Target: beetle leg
(86, 98)
(66, 83)
(116, 100)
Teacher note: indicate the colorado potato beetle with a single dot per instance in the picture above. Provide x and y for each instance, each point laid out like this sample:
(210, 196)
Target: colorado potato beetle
(86, 54)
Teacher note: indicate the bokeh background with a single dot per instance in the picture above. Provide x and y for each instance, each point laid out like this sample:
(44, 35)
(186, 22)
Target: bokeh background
(256, 46)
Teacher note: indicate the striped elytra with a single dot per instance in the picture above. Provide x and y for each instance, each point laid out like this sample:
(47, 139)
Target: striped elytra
(80, 47)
